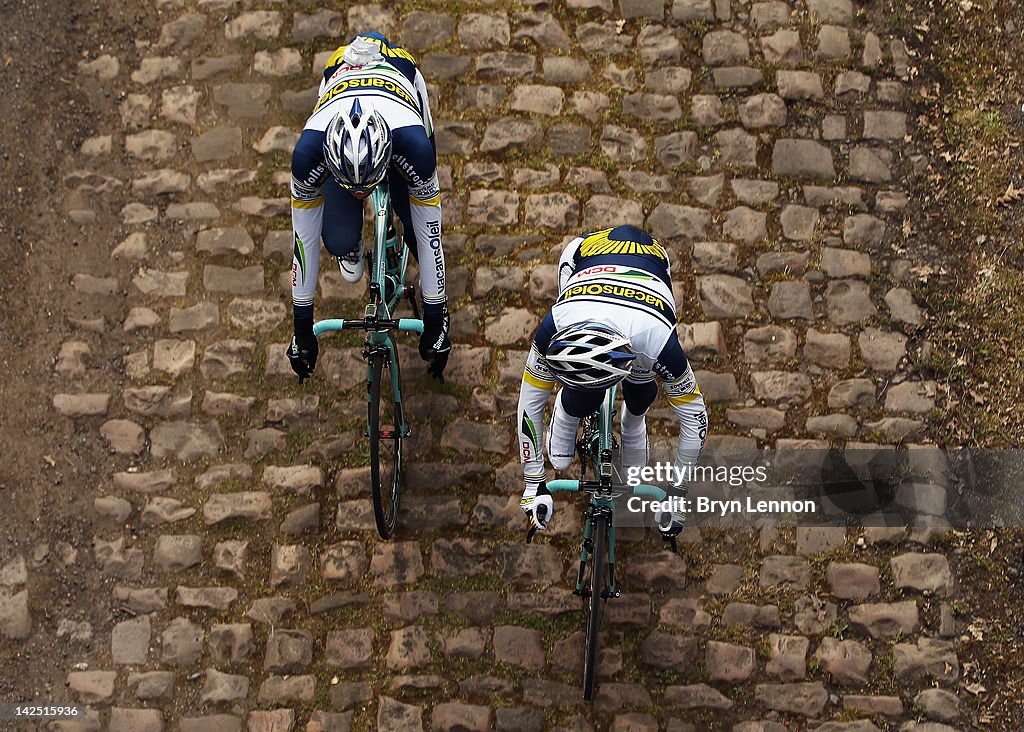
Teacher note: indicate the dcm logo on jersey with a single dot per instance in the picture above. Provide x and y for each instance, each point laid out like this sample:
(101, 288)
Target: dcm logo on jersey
(600, 243)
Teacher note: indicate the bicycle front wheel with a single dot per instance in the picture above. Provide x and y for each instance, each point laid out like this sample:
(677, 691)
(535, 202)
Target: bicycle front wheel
(386, 433)
(595, 603)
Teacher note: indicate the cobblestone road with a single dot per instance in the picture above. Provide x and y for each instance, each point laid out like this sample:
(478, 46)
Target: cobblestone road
(768, 144)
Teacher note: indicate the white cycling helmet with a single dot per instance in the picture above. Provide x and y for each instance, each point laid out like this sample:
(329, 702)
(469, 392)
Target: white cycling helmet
(589, 356)
(357, 147)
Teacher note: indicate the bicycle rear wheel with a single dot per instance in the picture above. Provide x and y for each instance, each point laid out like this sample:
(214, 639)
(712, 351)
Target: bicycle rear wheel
(595, 603)
(386, 435)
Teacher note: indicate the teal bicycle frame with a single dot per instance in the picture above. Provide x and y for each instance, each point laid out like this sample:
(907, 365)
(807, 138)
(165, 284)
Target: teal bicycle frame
(387, 287)
(388, 261)
(602, 492)
(596, 445)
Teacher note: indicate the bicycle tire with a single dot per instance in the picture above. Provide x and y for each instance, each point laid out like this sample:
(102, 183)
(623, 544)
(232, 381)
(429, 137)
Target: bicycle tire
(385, 444)
(595, 604)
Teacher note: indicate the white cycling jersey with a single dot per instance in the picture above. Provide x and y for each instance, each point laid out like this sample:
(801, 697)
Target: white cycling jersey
(619, 277)
(599, 280)
(390, 82)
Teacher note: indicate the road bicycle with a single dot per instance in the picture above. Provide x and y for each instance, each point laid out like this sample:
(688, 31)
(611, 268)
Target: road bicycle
(595, 581)
(387, 425)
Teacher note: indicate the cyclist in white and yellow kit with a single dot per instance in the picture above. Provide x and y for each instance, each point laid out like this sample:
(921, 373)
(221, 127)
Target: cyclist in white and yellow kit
(614, 320)
(372, 121)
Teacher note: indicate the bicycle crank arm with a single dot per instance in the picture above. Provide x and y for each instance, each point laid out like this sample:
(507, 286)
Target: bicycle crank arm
(407, 324)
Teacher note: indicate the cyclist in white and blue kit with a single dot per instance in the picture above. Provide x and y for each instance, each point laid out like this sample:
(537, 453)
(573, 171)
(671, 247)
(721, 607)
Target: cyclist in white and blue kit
(371, 122)
(614, 320)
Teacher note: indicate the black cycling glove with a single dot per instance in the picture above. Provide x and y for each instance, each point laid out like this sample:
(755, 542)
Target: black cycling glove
(434, 344)
(303, 349)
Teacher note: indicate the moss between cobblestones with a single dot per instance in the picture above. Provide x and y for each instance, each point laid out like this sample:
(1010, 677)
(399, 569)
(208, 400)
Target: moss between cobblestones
(473, 583)
(883, 670)
(364, 720)
(666, 677)
(630, 643)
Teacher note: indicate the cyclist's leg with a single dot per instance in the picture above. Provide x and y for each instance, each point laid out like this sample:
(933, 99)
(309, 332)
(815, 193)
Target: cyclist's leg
(400, 203)
(343, 220)
(579, 404)
(570, 406)
(638, 395)
(343, 224)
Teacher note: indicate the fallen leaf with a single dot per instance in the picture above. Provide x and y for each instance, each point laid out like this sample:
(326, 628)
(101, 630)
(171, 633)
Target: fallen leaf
(976, 688)
(1012, 195)
(923, 272)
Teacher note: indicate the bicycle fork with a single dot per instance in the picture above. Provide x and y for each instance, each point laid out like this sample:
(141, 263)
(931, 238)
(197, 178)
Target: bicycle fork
(587, 552)
(370, 349)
